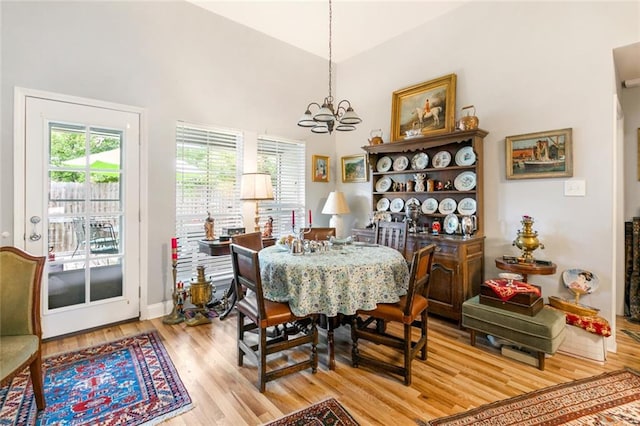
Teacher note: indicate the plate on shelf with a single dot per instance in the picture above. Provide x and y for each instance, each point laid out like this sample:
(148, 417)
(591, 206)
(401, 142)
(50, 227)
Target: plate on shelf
(451, 224)
(447, 206)
(465, 156)
(383, 204)
(467, 206)
(413, 200)
(429, 206)
(441, 159)
(397, 204)
(420, 161)
(384, 184)
(400, 163)
(384, 164)
(465, 181)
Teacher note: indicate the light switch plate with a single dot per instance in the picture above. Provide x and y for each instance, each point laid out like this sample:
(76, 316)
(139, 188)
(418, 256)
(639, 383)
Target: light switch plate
(575, 188)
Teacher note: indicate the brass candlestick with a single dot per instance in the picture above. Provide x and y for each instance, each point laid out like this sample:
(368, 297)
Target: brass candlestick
(176, 316)
(527, 240)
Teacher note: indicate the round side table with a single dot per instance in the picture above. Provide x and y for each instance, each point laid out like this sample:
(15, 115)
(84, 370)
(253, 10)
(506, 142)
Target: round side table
(525, 269)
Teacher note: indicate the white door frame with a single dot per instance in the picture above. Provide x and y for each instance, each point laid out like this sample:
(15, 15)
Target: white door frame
(19, 182)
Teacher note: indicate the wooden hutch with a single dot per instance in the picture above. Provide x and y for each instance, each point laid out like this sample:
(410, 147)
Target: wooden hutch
(455, 160)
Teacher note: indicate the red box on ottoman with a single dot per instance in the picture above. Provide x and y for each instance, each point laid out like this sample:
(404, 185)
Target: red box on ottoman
(522, 298)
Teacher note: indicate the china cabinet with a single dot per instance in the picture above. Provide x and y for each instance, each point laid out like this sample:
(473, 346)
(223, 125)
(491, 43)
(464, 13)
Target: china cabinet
(444, 175)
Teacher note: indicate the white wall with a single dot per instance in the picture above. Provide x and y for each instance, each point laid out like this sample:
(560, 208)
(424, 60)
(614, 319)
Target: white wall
(527, 67)
(177, 61)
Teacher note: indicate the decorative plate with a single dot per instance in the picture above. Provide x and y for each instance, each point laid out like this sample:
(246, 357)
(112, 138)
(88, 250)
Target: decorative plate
(441, 159)
(420, 161)
(467, 206)
(384, 184)
(383, 204)
(429, 206)
(451, 224)
(465, 181)
(384, 164)
(400, 163)
(397, 204)
(447, 206)
(579, 281)
(465, 156)
(413, 200)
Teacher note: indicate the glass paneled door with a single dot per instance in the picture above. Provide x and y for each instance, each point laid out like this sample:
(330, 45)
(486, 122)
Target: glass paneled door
(81, 211)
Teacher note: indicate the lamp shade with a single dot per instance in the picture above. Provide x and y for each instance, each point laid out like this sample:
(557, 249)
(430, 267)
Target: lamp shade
(336, 204)
(256, 186)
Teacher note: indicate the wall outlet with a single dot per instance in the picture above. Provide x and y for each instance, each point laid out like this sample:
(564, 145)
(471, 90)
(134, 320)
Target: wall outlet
(575, 188)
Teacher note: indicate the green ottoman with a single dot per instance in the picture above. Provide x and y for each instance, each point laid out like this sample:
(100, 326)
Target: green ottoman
(542, 333)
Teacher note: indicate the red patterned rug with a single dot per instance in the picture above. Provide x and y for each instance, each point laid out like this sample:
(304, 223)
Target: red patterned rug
(608, 399)
(131, 381)
(324, 413)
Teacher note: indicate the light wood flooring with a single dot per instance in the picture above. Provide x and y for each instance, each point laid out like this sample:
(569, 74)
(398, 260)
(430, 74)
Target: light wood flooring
(455, 377)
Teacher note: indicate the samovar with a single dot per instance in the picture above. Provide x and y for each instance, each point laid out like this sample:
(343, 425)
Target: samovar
(527, 240)
(200, 292)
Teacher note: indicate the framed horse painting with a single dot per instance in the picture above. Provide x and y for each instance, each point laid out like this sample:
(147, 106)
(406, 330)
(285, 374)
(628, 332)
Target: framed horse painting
(425, 109)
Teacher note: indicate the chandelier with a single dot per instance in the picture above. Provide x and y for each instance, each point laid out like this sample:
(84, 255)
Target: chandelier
(342, 117)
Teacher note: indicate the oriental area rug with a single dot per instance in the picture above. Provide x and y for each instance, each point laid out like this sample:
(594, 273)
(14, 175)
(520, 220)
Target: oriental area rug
(323, 413)
(633, 334)
(607, 399)
(131, 381)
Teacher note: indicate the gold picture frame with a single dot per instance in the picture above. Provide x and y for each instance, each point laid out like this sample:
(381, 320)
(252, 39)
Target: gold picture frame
(540, 155)
(425, 109)
(355, 168)
(320, 166)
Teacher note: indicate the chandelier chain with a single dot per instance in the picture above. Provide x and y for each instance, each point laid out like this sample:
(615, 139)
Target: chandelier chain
(330, 36)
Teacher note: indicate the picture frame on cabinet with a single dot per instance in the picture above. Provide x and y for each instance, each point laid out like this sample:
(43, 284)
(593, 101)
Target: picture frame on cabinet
(425, 109)
(539, 155)
(320, 168)
(355, 168)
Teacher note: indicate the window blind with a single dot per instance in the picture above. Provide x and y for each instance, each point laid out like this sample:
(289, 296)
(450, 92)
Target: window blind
(284, 160)
(208, 169)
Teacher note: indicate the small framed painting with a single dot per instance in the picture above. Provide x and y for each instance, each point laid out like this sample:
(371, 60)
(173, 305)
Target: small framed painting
(355, 168)
(539, 155)
(425, 109)
(320, 168)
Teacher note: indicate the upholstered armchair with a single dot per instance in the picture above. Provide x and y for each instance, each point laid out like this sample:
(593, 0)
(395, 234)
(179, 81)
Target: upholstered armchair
(20, 329)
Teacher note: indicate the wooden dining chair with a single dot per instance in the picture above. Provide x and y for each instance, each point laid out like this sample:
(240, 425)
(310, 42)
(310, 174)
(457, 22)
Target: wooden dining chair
(319, 234)
(252, 240)
(392, 234)
(257, 313)
(410, 311)
(20, 328)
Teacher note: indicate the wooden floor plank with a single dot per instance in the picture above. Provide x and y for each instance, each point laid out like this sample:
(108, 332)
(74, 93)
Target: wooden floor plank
(456, 376)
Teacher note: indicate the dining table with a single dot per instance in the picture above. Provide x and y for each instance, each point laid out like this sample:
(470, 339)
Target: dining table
(339, 280)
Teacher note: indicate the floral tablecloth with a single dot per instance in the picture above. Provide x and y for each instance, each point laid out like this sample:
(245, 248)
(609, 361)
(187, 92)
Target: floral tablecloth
(341, 280)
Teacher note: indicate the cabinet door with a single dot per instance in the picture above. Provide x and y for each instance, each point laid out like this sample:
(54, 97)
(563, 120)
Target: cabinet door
(444, 291)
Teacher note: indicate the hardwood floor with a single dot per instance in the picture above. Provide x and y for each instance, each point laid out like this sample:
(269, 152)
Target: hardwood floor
(455, 377)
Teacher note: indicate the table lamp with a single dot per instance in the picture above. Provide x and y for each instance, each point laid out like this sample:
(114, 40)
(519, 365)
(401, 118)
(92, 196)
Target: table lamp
(336, 205)
(256, 187)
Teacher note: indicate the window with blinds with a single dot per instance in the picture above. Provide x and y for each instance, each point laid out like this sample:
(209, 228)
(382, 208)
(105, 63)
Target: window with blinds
(208, 170)
(284, 160)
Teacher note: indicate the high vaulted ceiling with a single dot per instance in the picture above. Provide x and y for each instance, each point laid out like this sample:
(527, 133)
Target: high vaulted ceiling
(358, 25)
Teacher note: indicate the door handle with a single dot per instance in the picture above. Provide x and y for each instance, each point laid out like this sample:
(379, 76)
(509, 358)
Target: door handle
(34, 236)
